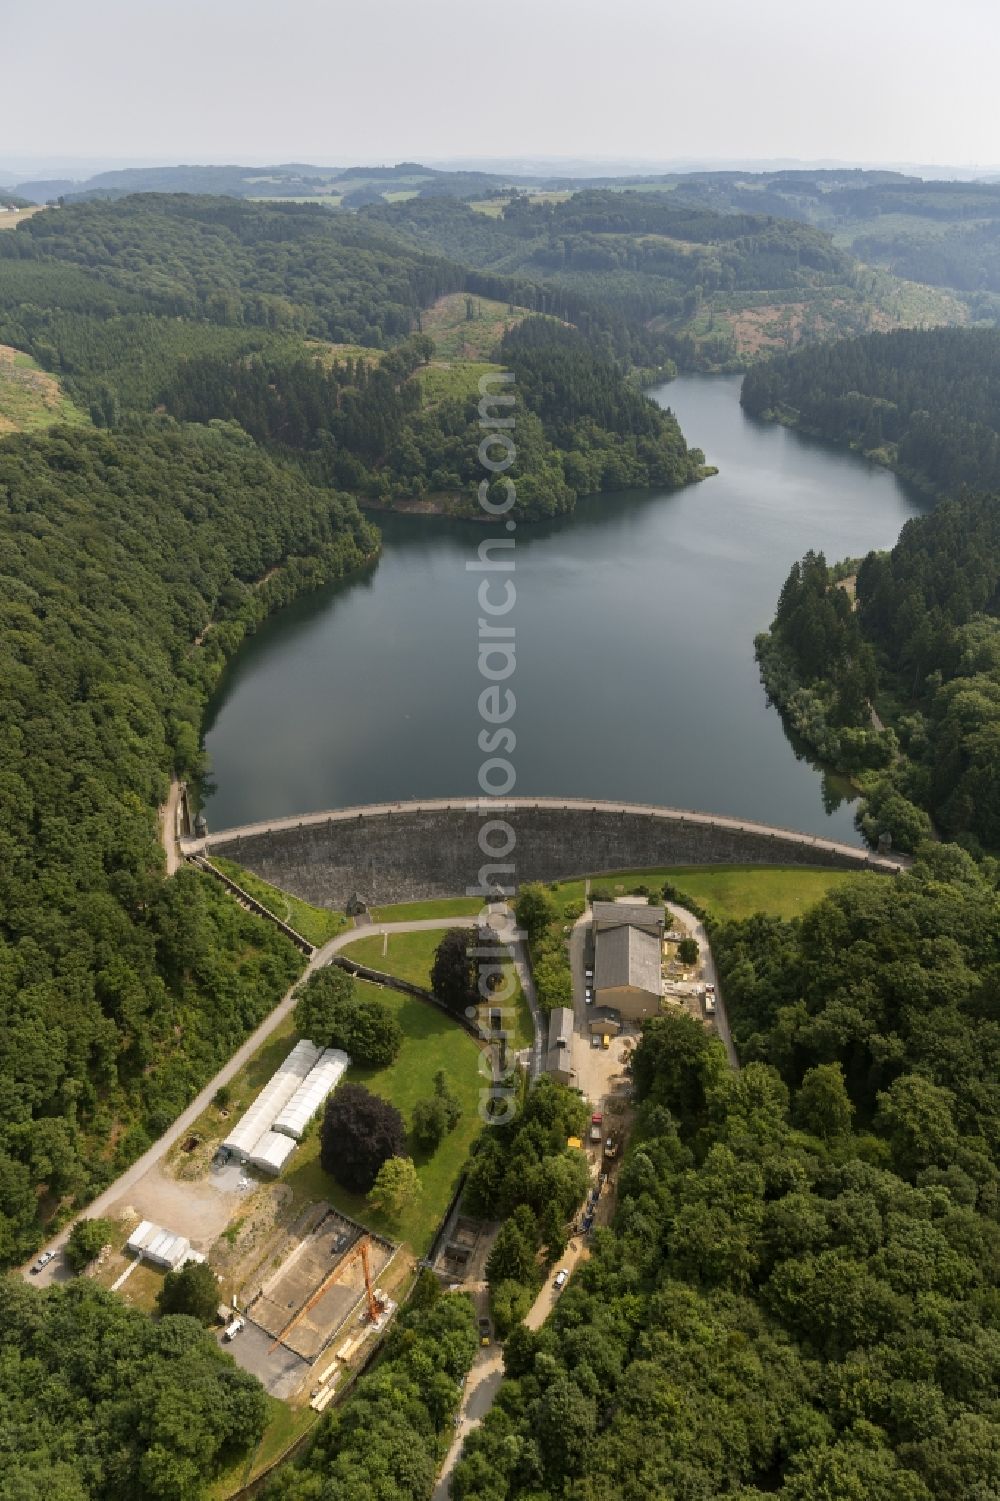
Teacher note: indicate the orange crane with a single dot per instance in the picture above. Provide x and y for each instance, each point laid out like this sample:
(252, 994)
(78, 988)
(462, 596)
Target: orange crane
(358, 1251)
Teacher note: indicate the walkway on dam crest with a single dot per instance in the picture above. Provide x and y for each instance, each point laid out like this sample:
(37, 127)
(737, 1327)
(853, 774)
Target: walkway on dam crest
(497, 807)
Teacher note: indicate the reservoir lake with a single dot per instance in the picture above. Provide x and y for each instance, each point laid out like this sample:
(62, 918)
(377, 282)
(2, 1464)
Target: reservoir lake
(635, 675)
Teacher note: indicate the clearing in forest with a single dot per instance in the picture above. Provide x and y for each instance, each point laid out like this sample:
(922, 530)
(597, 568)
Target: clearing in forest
(30, 398)
(466, 327)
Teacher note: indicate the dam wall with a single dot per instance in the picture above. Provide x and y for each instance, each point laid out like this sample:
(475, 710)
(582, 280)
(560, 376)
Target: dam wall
(402, 852)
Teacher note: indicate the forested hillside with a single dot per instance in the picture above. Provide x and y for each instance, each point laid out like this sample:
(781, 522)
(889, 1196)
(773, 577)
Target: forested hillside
(719, 287)
(798, 1297)
(212, 308)
(121, 993)
(379, 430)
(925, 401)
(98, 1400)
(920, 646)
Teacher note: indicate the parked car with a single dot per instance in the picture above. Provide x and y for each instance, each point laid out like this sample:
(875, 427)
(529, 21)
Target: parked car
(232, 1330)
(588, 996)
(42, 1262)
(561, 1279)
(595, 1041)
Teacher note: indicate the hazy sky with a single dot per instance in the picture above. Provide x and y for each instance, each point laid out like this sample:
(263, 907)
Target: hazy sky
(378, 80)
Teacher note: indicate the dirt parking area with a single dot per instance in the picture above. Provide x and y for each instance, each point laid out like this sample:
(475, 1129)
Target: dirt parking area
(198, 1211)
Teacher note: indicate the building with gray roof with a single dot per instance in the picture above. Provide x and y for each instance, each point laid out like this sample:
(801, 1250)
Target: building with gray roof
(559, 1058)
(627, 962)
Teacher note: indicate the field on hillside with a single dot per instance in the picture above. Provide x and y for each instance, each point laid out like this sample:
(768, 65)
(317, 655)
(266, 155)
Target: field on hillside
(442, 380)
(465, 327)
(11, 218)
(494, 207)
(740, 327)
(30, 398)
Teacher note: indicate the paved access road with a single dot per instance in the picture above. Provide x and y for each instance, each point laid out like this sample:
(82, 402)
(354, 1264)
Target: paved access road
(56, 1271)
(168, 827)
(486, 1374)
(596, 1072)
(709, 976)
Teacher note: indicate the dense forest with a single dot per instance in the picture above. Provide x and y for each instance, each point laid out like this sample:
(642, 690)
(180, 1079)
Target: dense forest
(210, 308)
(718, 287)
(925, 401)
(120, 993)
(98, 1400)
(798, 1297)
(920, 645)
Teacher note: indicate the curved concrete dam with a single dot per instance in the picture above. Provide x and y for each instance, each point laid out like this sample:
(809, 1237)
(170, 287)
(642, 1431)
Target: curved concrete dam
(399, 852)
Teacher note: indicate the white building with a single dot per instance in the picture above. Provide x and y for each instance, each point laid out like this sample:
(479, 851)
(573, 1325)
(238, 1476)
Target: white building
(272, 1151)
(162, 1247)
(272, 1099)
(312, 1093)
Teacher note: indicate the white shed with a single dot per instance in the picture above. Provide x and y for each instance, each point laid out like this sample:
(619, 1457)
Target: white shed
(161, 1247)
(311, 1094)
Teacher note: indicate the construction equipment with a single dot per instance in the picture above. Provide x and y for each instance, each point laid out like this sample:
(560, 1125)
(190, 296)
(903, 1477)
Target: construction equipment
(360, 1251)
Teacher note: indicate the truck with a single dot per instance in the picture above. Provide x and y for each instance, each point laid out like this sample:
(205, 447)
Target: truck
(709, 1000)
(596, 1122)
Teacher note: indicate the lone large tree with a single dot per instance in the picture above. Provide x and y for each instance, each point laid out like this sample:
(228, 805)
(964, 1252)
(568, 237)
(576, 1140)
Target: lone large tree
(193, 1290)
(454, 976)
(360, 1132)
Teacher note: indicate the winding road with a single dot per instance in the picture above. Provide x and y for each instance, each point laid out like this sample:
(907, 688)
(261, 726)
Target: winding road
(57, 1271)
(594, 1072)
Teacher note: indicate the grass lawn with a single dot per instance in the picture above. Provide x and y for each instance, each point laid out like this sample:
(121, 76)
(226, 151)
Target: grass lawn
(314, 923)
(430, 1041)
(30, 398)
(446, 906)
(410, 956)
(729, 890)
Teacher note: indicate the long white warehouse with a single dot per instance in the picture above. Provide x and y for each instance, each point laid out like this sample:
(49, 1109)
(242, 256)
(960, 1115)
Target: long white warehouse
(322, 1079)
(272, 1099)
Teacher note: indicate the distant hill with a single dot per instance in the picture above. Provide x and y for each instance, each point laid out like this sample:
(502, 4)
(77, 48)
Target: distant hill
(287, 180)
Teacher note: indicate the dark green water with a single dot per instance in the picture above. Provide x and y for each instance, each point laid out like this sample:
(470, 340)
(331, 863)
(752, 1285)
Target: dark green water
(635, 621)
